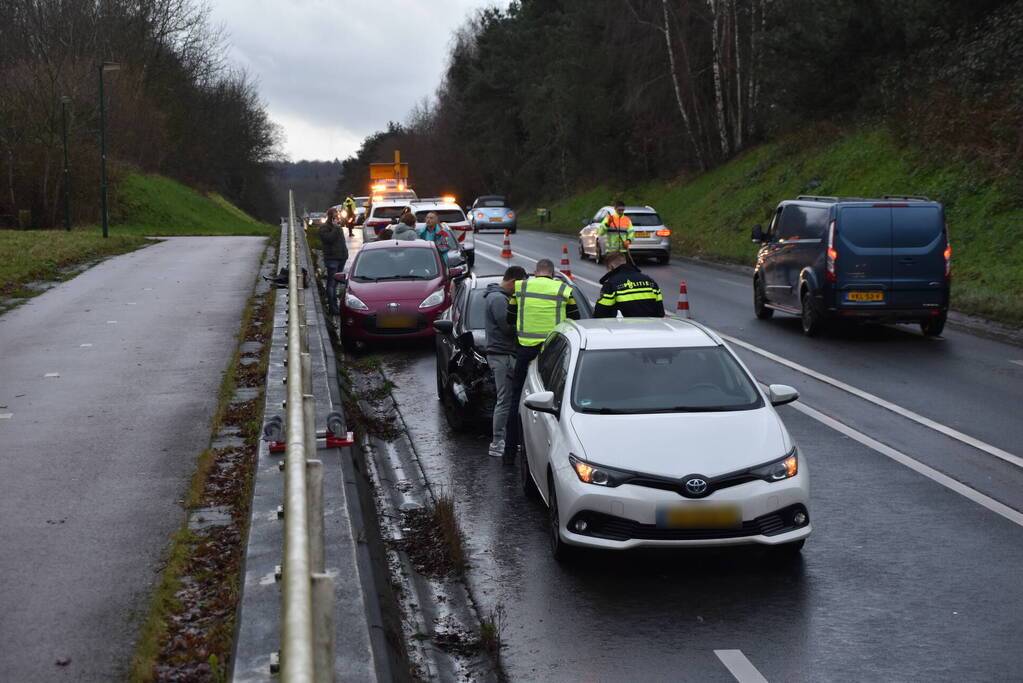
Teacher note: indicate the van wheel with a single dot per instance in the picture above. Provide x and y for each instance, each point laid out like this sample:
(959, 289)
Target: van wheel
(561, 551)
(933, 326)
(760, 308)
(813, 321)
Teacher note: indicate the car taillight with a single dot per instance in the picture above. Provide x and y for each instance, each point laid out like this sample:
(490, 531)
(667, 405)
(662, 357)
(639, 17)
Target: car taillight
(510, 214)
(829, 271)
(664, 232)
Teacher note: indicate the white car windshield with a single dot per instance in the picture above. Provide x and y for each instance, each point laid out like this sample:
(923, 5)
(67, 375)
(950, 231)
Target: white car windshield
(662, 380)
(396, 263)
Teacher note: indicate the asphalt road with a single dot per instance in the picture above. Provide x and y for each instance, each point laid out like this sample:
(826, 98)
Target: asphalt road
(912, 572)
(108, 383)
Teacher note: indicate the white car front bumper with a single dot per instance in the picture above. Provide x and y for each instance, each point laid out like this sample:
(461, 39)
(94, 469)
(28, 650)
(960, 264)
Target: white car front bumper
(626, 516)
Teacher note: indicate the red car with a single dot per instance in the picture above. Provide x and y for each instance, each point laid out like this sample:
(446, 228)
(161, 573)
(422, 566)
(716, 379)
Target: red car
(394, 290)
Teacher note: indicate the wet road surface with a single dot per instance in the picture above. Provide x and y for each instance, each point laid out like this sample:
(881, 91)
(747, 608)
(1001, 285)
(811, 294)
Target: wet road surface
(904, 578)
(108, 383)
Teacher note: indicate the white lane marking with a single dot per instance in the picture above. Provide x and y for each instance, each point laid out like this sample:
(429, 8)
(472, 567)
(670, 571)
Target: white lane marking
(1017, 362)
(576, 278)
(84, 346)
(111, 322)
(855, 391)
(6, 416)
(744, 285)
(948, 482)
(52, 374)
(878, 401)
(740, 667)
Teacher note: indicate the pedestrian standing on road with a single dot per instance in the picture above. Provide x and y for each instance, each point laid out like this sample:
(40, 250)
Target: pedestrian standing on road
(536, 307)
(434, 232)
(502, 347)
(335, 255)
(627, 290)
(406, 227)
(349, 205)
(617, 230)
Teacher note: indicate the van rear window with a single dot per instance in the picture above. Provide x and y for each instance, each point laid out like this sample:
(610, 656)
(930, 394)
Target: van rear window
(867, 227)
(916, 226)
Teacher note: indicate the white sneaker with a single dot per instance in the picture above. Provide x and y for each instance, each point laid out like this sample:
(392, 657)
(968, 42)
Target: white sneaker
(496, 448)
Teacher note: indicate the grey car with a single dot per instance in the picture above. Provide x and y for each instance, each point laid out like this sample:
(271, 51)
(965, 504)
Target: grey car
(491, 212)
(651, 238)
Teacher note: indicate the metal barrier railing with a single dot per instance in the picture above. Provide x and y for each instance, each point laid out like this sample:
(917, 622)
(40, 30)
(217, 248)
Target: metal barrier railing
(307, 617)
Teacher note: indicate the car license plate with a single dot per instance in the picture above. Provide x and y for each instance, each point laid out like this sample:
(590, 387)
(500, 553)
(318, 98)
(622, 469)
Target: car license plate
(864, 296)
(642, 234)
(392, 322)
(702, 517)
(496, 220)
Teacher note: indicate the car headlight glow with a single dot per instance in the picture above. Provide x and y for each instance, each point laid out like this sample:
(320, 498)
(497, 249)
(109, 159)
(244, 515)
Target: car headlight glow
(779, 469)
(434, 299)
(355, 303)
(598, 475)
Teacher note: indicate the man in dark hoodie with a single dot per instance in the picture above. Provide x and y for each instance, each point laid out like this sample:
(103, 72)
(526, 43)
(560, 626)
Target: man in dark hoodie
(335, 255)
(501, 349)
(626, 290)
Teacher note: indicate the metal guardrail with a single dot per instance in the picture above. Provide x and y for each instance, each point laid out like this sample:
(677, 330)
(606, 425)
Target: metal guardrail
(307, 616)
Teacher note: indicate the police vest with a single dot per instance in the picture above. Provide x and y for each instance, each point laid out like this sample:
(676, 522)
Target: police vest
(542, 303)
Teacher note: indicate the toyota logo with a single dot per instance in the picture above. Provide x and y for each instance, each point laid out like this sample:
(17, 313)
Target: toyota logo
(696, 486)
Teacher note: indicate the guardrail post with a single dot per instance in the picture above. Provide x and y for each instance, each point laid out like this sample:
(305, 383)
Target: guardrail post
(324, 627)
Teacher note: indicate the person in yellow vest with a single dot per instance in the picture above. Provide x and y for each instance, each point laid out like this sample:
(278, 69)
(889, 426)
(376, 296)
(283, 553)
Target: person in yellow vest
(617, 230)
(535, 308)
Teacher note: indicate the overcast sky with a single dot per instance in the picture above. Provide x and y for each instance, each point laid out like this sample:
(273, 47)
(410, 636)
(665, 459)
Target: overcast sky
(334, 71)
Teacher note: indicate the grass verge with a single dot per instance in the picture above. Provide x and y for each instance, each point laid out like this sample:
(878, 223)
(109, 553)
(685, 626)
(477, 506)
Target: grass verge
(189, 631)
(711, 214)
(143, 205)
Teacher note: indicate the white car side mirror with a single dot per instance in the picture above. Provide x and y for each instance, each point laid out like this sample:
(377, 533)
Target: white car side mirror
(780, 394)
(542, 401)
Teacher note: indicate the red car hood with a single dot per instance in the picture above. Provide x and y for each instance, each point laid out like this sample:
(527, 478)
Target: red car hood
(376, 294)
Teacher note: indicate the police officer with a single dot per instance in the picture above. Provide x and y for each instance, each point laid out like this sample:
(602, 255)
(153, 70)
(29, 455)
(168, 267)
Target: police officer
(536, 307)
(349, 204)
(618, 229)
(626, 290)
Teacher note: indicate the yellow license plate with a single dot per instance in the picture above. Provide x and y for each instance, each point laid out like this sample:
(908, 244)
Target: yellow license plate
(496, 220)
(395, 321)
(642, 234)
(702, 517)
(864, 296)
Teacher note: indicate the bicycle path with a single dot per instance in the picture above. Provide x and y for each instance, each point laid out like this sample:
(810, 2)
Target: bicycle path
(108, 383)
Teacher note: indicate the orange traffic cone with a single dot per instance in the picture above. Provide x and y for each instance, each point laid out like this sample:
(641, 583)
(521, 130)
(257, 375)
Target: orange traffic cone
(565, 267)
(682, 309)
(506, 250)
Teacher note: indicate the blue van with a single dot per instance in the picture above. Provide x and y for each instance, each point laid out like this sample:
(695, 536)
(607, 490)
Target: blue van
(885, 260)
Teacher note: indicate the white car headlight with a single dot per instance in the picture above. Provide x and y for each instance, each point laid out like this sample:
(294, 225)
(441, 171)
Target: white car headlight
(354, 302)
(434, 299)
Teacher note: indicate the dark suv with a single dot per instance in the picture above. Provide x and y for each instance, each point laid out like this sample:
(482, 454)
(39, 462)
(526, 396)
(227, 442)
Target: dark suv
(885, 260)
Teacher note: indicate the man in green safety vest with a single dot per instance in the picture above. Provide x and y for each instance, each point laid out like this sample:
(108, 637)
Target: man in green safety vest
(535, 308)
(349, 204)
(617, 227)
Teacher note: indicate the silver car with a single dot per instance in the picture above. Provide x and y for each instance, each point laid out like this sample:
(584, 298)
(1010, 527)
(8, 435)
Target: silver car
(492, 212)
(652, 238)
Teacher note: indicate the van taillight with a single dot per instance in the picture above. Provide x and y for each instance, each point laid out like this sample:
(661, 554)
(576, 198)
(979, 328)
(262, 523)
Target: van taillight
(948, 262)
(829, 269)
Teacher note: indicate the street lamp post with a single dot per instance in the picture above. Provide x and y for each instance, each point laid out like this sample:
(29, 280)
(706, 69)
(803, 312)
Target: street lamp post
(67, 167)
(105, 66)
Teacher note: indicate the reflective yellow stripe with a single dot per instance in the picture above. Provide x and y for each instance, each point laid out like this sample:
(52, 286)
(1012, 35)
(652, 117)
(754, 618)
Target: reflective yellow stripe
(639, 297)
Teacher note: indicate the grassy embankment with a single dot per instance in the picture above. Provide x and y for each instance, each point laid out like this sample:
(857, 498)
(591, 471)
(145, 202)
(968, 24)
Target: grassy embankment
(142, 205)
(711, 214)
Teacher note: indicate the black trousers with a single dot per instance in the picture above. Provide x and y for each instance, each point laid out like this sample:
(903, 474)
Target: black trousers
(523, 357)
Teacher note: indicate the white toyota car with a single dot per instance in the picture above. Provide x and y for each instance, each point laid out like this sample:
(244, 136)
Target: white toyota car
(651, 432)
